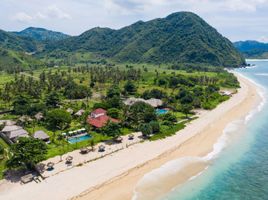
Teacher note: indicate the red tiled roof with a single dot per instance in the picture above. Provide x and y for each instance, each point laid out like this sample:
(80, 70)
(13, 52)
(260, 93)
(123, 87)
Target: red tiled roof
(99, 111)
(100, 121)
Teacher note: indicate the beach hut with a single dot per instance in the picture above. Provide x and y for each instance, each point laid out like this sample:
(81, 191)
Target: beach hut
(41, 135)
(12, 133)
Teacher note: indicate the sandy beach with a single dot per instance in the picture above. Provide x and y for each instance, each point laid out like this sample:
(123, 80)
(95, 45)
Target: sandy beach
(116, 176)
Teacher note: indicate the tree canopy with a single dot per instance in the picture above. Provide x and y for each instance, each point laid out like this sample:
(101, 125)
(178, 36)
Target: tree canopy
(26, 153)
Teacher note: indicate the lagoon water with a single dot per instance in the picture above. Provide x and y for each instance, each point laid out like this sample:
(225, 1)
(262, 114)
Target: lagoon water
(240, 170)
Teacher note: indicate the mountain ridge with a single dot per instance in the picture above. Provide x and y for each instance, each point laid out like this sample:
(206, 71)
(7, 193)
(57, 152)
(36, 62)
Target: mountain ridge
(41, 34)
(181, 37)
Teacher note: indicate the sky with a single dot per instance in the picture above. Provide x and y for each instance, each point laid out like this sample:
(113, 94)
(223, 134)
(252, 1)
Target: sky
(235, 19)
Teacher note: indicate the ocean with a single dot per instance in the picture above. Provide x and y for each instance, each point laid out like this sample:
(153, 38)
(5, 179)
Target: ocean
(238, 169)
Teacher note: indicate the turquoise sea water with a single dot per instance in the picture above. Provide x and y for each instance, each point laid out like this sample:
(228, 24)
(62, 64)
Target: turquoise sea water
(240, 170)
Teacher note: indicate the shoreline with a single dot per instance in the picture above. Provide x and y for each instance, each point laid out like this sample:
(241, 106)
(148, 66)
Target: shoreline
(115, 177)
(112, 190)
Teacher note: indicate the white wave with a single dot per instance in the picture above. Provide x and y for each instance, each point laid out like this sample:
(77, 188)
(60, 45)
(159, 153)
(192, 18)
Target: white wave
(261, 74)
(175, 166)
(256, 60)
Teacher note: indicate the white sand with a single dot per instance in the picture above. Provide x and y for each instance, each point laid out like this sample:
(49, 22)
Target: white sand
(100, 177)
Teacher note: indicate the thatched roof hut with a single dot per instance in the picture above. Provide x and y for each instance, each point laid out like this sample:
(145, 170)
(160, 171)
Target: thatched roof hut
(41, 135)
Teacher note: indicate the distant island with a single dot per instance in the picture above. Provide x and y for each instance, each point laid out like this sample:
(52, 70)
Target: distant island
(252, 49)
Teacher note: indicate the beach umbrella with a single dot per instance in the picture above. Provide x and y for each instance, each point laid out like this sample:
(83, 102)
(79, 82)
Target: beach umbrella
(130, 136)
(101, 148)
(50, 165)
(69, 158)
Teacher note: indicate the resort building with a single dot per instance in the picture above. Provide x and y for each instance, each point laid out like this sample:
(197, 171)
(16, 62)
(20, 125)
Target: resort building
(41, 135)
(11, 133)
(99, 118)
(153, 102)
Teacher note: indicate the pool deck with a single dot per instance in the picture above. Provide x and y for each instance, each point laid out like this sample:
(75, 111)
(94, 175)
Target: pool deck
(80, 159)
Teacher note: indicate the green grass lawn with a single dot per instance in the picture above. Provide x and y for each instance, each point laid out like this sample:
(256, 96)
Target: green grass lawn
(166, 131)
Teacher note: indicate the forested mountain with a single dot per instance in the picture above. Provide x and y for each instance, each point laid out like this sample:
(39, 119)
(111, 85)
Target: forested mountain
(41, 34)
(13, 42)
(252, 49)
(181, 37)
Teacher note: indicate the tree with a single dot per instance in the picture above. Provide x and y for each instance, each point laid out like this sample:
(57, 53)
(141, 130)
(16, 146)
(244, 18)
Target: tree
(21, 105)
(186, 109)
(53, 99)
(111, 129)
(27, 152)
(169, 117)
(58, 119)
(114, 102)
(92, 144)
(1, 150)
(114, 112)
(114, 90)
(155, 126)
(140, 112)
(146, 130)
(130, 88)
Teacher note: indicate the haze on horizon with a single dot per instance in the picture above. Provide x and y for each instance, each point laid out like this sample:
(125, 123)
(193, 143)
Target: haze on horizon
(235, 19)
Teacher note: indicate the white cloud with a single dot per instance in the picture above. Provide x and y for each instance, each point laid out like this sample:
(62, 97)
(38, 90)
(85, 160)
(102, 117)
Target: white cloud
(22, 17)
(263, 39)
(51, 12)
(55, 12)
(236, 19)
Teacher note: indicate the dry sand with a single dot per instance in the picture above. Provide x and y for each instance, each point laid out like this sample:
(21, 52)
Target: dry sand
(115, 177)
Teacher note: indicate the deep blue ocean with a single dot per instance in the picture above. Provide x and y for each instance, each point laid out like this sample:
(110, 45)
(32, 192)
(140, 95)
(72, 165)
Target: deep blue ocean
(240, 171)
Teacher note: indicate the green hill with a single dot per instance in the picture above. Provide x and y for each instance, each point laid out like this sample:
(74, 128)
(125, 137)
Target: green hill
(252, 49)
(11, 61)
(14, 42)
(41, 34)
(181, 37)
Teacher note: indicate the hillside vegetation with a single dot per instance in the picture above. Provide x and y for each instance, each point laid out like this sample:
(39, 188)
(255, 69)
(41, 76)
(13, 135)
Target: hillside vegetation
(179, 38)
(12, 61)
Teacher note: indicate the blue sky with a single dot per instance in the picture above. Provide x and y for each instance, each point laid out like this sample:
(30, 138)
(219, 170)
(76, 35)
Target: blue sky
(235, 19)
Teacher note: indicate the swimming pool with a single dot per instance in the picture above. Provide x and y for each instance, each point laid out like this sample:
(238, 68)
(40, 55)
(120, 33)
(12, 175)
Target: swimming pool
(161, 111)
(73, 140)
